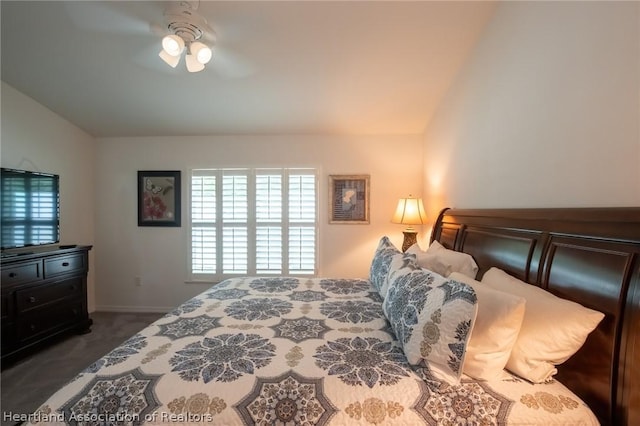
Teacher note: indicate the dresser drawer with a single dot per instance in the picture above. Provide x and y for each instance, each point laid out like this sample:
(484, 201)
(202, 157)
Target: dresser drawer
(8, 338)
(5, 308)
(23, 273)
(47, 320)
(64, 264)
(33, 297)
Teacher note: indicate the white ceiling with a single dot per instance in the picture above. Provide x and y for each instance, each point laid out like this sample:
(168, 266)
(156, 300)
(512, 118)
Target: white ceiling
(355, 67)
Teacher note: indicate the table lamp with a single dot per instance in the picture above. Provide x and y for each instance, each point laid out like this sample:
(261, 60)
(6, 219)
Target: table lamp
(410, 211)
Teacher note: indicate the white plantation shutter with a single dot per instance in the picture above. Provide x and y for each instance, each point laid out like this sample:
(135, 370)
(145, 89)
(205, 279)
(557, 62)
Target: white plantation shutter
(256, 222)
(235, 216)
(302, 198)
(302, 253)
(269, 221)
(234, 250)
(235, 197)
(203, 223)
(268, 250)
(302, 216)
(269, 198)
(203, 199)
(203, 250)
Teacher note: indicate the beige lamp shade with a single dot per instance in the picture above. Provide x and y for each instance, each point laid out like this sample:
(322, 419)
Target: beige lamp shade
(410, 211)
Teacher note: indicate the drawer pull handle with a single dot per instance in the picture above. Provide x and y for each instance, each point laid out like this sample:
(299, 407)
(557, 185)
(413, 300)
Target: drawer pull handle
(12, 274)
(32, 299)
(65, 264)
(32, 327)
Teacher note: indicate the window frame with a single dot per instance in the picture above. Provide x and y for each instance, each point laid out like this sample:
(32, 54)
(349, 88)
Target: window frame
(252, 223)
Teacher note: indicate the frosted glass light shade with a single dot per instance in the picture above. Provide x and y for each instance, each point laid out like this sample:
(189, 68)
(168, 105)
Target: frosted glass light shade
(192, 64)
(173, 44)
(201, 51)
(410, 211)
(172, 61)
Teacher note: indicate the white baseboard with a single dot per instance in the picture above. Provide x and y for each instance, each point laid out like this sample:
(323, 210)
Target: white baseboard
(136, 309)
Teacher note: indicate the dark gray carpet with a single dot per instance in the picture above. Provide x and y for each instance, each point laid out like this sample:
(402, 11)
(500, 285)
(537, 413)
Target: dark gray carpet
(29, 382)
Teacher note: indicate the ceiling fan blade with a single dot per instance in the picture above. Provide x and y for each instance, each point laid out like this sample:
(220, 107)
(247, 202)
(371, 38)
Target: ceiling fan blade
(230, 65)
(113, 17)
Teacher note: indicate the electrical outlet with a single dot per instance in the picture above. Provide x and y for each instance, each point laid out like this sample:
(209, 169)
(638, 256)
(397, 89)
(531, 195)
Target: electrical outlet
(138, 281)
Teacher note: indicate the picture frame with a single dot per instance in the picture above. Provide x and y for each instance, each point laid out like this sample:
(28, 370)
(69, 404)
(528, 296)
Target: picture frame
(159, 198)
(349, 199)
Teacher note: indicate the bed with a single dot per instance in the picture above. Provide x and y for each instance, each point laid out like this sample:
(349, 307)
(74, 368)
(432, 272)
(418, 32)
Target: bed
(286, 350)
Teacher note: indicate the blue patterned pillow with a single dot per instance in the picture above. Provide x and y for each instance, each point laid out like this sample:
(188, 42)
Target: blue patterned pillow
(380, 265)
(401, 263)
(432, 317)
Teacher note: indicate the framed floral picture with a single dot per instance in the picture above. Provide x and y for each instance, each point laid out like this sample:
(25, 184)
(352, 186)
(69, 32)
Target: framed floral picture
(158, 198)
(349, 199)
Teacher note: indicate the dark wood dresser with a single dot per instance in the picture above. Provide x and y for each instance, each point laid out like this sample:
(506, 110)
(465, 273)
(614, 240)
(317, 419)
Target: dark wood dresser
(44, 295)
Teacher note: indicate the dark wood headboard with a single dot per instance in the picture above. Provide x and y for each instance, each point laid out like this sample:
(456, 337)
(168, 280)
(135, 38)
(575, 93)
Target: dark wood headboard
(590, 256)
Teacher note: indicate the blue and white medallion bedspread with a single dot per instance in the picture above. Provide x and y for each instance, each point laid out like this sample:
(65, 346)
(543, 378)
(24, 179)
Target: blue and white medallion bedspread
(288, 351)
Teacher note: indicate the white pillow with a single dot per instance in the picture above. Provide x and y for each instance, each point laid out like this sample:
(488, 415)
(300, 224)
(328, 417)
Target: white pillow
(495, 331)
(430, 261)
(553, 329)
(443, 261)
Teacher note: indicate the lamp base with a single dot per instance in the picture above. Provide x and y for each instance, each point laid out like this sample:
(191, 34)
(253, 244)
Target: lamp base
(410, 238)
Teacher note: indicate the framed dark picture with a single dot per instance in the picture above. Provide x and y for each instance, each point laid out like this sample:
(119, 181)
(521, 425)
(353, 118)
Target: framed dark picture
(349, 199)
(158, 198)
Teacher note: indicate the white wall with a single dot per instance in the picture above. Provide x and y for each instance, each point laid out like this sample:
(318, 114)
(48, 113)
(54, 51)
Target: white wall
(34, 138)
(159, 255)
(545, 113)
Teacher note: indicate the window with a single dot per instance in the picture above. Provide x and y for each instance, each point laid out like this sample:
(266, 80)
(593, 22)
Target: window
(253, 222)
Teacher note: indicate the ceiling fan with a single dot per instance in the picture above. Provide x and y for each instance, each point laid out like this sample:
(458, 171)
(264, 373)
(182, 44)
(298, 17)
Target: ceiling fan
(184, 17)
(188, 31)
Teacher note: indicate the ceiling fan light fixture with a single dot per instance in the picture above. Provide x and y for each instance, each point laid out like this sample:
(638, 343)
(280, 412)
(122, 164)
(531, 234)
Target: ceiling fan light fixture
(172, 61)
(193, 65)
(201, 51)
(173, 44)
(187, 32)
